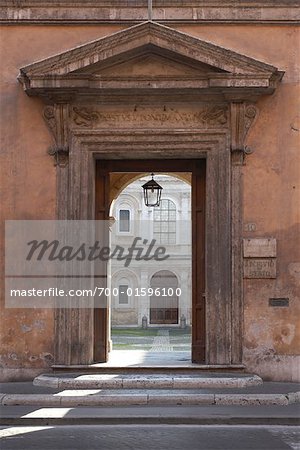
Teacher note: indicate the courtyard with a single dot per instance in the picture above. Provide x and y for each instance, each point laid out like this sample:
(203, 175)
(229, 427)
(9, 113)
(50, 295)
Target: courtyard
(156, 339)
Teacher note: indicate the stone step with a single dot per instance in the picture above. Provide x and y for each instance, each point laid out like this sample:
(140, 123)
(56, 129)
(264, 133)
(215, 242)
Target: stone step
(152, 367)
(150, 415)
(71, 398)
(147, 381)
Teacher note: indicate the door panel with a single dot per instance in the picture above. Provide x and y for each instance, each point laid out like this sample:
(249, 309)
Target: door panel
(101, 315)
(198, 258)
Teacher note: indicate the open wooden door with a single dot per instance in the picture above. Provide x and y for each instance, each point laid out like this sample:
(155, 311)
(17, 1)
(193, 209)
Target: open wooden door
(198, 258)
(101, 315)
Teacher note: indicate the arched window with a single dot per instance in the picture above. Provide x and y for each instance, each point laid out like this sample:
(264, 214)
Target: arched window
(164, 222)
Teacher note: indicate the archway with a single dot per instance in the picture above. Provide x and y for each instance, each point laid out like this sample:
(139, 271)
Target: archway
(141, 292)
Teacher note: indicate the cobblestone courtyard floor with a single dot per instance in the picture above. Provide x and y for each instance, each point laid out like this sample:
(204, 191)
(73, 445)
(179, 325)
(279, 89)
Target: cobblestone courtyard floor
(152, 339)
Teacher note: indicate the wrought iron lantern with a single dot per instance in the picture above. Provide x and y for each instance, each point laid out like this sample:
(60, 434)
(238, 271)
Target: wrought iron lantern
(152, 192)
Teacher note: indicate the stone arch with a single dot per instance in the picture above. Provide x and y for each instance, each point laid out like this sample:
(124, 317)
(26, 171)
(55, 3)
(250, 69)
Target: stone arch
(120, 181)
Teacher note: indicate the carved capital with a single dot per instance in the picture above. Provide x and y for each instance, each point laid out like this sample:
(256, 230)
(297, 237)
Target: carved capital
(242, 117)
(57, 120)
(61, 156)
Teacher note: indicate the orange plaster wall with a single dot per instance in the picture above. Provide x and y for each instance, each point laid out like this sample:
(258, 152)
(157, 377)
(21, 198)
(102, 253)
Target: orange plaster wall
(271, 185)
(271, 197)
(272, 201)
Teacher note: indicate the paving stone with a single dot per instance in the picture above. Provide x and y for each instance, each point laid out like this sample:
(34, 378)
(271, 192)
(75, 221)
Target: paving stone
(31, 399)
(181, 399)
(254, 380)
(214, 382)
(197, 382)
(105, 400)
(148, 382)
(91, 382)
(161, 342)
(42, 379)
(77, 392)
(251, 399)
(294, 397)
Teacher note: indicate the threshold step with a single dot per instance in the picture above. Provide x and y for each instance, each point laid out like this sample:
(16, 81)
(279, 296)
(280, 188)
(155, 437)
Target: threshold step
(149, 368)
(147, 381)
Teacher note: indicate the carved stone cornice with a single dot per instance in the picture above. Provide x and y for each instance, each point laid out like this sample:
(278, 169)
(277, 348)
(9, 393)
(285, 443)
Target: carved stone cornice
(155, 3)
(202, 69)
(57, 119)
(242, 117)
(135, 11)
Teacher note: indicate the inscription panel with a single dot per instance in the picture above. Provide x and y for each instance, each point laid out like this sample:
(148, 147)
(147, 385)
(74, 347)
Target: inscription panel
(201, 116)
(259, 248)
(260, 268)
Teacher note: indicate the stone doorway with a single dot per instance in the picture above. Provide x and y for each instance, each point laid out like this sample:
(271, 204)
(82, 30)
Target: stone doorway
(196, 101)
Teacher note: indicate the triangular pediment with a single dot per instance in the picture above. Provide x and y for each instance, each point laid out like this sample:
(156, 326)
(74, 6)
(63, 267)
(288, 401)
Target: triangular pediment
(148, 50)
(149, 63)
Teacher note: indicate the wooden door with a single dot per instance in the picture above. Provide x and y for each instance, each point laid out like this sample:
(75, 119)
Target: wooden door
(164, 307)
(198, 258)
(198, 170)
(101, 315)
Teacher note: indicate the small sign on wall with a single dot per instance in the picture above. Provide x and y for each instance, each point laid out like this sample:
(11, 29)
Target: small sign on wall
(259, 248)
(260, 268)
(279, 302)
(259, 257)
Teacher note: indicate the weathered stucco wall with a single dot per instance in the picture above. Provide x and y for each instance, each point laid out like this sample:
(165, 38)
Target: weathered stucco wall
(272, 203)
(28, 181)
(271, 199)
(271, 187)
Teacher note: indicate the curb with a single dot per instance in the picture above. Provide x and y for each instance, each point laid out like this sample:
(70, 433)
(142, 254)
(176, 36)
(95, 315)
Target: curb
(108, 399)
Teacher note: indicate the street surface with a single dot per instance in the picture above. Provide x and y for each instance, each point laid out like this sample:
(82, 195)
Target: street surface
(150, 437)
